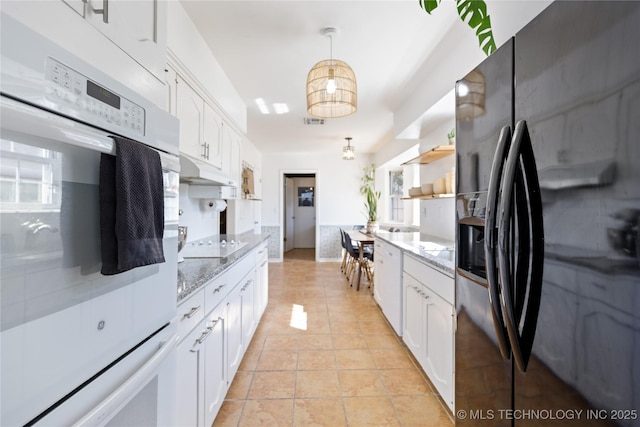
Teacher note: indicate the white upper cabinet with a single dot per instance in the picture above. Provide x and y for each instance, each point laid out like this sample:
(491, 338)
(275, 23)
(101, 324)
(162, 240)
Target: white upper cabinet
(190, 111)
(201, 127)
(212, 136)
(231, 147)
(137, 27)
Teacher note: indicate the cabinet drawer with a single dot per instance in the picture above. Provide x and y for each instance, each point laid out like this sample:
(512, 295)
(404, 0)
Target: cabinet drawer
(217, 289)
(190, 312)
(262, 254)
(439, 283)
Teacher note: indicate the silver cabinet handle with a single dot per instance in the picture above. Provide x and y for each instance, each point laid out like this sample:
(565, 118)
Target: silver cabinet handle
(204, 335)
(208, 331)
(191, 312)
(219, 288)
(246, 285)
(104, 11)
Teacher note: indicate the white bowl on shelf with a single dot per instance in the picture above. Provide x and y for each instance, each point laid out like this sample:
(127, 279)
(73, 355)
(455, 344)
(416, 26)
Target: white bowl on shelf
(415, 192)
(427, 189)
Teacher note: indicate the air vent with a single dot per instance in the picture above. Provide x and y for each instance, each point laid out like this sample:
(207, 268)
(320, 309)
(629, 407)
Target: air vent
(313, 121)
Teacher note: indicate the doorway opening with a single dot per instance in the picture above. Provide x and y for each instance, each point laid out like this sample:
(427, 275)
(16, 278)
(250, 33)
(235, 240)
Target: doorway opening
(300, 200)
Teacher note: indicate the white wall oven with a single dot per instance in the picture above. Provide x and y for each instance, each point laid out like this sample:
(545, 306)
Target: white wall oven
(76, 346)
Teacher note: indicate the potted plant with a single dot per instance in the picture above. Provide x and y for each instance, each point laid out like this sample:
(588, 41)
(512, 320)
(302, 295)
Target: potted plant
(371, 197)
(452, 137)
(474, 13)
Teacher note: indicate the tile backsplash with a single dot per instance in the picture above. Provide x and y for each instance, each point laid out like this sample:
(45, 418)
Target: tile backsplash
(201, 222)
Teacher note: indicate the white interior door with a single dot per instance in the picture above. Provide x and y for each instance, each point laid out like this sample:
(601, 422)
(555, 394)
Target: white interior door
(289, 219)
(305, 213)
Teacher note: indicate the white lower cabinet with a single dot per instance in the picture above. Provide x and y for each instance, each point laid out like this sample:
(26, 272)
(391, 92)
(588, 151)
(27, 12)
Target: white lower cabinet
(215, 366)
(235, 350)
(428, 323)
(248, 308)
(387, 289)
(210, 354)
(262, 280)
(190, 380)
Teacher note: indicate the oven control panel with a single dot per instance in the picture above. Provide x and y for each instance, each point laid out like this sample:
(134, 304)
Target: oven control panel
(88, 100)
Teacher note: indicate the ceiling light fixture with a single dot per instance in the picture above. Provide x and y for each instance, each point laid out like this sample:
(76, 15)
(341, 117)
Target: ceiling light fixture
(262, 106)
(348, 152)
(331, 86)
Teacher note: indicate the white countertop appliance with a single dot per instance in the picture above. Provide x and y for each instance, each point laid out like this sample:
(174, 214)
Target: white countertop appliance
(78, 347)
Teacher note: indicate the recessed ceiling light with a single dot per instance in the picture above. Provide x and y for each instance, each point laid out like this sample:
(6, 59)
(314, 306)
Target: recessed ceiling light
(281, 108)
(262, 106)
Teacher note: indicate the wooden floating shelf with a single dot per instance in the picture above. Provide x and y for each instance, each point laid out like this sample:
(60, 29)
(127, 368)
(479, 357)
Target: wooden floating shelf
(432, 155)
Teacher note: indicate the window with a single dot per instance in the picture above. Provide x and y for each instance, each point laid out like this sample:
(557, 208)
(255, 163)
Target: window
(395, 195)
(28, 178)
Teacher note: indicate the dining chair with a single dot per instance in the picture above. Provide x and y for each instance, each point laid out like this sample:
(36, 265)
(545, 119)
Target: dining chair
(356, 263)
(345, 252)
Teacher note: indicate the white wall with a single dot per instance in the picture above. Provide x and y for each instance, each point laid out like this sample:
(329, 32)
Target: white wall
(338, 198)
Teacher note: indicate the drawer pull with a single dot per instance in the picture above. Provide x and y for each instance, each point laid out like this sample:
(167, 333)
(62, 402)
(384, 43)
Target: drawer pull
(191, 312)
(204, 335)
(219, 288)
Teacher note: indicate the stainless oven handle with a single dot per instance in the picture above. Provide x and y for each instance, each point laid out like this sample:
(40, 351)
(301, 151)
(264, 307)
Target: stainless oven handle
(98, 415)
(23, 119)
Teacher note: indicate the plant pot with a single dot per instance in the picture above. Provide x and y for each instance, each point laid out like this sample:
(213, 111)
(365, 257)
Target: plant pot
(372, 227)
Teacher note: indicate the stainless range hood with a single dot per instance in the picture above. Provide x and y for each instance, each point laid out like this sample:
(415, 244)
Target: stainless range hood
(197, 171)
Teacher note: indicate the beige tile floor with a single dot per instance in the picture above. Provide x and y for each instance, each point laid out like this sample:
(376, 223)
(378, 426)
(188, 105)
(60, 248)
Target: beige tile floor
(323, 355)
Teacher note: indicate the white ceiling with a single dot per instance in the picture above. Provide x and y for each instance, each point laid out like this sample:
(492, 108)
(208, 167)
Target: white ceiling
(267, 48)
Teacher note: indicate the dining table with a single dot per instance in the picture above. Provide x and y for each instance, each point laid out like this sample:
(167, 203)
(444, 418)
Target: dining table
(362, 239)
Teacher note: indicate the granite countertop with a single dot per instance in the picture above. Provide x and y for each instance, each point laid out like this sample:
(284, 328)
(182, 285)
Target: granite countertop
(193, 273)
(435, 251)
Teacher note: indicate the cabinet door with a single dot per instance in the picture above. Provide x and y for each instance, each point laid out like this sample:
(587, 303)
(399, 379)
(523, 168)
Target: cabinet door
(77, 5)
(171, 85)
(248, 297)
(414, 322)
(262, 283)
(392, 289)
(189, 109)
(212, 136)
(189, 381)
(233, 328)
(215, 367)
(380, 273)
(235, 168)
(231, 153)
(439, 344)
(137, 27)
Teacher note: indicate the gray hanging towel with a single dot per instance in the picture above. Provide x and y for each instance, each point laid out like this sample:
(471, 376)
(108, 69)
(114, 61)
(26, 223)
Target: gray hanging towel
(131, 207)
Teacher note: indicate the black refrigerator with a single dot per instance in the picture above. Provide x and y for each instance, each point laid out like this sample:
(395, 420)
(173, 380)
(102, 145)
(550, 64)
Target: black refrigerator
(548, 211)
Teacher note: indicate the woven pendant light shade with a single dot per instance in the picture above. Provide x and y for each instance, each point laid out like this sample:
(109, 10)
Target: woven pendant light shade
(331, 87)
(343, 102)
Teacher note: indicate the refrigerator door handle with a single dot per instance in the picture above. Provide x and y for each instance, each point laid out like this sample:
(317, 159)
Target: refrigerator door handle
(490, 240)
(521, 160)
